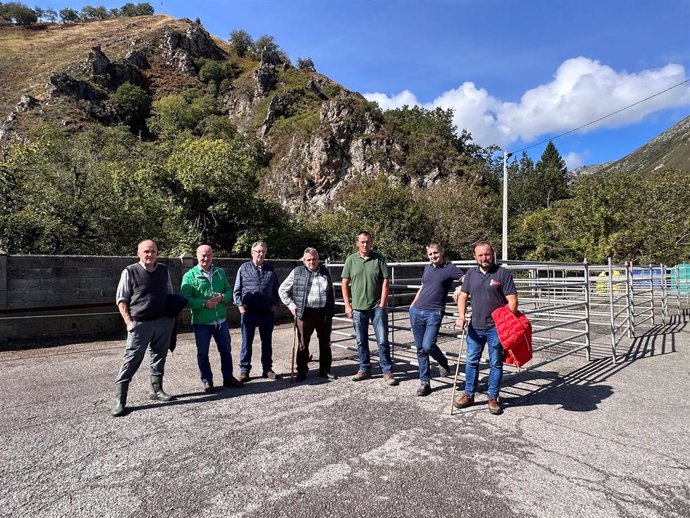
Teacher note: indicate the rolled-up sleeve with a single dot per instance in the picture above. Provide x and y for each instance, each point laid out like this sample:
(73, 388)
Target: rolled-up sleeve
(123, 293)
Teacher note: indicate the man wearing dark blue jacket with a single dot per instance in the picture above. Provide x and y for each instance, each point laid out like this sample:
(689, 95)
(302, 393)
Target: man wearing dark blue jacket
(256, 297)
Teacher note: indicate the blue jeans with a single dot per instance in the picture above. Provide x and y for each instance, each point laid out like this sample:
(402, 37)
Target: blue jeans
(476, 338)
(249, 322)
(425, 327)
(221, 335)
(360, 322)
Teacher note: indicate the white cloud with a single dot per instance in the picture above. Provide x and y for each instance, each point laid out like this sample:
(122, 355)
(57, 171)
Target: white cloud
(574, 160)
(582, 90)
(394, 101)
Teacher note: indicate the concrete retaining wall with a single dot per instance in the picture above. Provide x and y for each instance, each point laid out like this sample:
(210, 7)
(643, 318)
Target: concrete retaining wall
(40, 285)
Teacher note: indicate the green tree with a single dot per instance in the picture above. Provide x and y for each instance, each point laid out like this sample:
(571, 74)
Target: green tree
(462, 214)
(141, 9)
(209, 177)
(89, 12)
(68, 15)
(522, 182)
(530, 189)
(218, 72)
(552, 177)
(177, 113)
(50, 14)
(400, 226)
(267, 44)
(241, 42)
(17, 13)
(306, 64)
(429, 143)
(59, 195)
(132, 105)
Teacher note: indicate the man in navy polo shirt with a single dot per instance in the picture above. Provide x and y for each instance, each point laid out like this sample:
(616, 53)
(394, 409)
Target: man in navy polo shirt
(489, 287)
(426, 313)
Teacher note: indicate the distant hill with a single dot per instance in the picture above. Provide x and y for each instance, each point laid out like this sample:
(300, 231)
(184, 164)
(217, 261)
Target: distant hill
(586, 169)
(670, 150)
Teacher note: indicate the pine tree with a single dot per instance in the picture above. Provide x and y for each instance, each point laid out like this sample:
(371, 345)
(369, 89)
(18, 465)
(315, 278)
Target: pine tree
(552, 177)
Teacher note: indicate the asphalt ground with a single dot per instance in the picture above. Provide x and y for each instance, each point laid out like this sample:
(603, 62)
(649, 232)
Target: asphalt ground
(577, 438)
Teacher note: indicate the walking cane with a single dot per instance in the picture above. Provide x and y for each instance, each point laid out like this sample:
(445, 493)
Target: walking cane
(294, 346)
(457, 369)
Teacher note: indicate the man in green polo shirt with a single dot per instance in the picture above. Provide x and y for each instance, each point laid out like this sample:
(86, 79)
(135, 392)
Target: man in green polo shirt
(365, 290)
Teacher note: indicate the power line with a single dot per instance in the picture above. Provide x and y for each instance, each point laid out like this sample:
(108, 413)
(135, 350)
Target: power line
(604, 117)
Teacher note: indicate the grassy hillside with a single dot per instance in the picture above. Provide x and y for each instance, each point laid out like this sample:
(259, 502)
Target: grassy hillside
(28, 56)
(670, 150)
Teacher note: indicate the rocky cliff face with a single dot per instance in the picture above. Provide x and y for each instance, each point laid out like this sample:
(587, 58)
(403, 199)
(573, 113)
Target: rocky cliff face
(342, 150)
(320, 137)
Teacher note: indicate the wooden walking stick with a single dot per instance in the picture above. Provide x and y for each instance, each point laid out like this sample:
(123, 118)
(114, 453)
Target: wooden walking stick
(294, 346)
(457, 369)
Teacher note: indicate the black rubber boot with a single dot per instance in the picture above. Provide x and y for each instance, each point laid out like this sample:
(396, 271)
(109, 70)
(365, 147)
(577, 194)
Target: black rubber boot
(120, 399)
(157, 389)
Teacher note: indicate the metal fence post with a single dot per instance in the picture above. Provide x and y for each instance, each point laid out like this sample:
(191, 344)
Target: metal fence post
(4, 335)
(612, 331)
(588, 341)
(629, 299)
(391, 297)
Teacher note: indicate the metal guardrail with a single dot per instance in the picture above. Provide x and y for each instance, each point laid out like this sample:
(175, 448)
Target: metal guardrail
(574, 308)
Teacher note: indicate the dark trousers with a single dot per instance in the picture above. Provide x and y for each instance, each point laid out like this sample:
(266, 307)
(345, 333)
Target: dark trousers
(248, 324)
(314, 320)
(154, 334)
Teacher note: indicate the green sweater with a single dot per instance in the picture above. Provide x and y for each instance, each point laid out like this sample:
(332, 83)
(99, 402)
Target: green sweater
(198, 290)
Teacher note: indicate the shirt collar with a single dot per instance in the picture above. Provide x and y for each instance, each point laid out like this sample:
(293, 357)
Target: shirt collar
(141, 263)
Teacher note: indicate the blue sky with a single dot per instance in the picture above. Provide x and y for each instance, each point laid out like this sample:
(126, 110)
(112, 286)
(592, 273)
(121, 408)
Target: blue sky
(516, 72)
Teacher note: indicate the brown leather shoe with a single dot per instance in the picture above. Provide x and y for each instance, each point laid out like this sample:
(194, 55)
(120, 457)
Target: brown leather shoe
(389, 379)
(494, 407)
(463, 401)
(361, 375)
(244, 377)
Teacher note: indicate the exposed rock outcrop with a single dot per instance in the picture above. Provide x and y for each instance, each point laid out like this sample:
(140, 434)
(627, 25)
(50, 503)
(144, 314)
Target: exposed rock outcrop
(181, 61)
(345, 147)
(180, 50)
(26, 103)
(110, 75)
(265, 80)
(137, 58)
(65, 85)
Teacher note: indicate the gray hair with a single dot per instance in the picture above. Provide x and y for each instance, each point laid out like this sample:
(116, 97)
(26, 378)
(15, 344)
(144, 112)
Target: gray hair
(310, 251)
(262, 244)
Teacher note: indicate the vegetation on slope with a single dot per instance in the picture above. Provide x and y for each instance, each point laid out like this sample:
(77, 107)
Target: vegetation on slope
(161, 154)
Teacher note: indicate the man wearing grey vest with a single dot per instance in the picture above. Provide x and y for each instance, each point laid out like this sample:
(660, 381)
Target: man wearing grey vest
(308, 293)
(141, 299)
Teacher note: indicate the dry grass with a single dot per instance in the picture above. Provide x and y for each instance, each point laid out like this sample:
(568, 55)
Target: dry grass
(29, 56)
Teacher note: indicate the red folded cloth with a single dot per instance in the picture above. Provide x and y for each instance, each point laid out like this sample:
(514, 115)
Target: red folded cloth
(515, 333)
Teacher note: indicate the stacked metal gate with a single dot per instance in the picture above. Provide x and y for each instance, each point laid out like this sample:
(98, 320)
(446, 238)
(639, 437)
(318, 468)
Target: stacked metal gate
(576, 309)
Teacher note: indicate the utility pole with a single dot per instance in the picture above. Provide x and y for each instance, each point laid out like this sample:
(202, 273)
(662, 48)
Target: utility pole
(504, 244)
